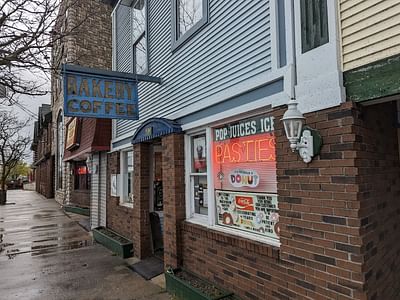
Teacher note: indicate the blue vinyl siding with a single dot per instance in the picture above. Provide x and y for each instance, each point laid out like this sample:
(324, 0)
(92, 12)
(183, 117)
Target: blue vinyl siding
(233, 48)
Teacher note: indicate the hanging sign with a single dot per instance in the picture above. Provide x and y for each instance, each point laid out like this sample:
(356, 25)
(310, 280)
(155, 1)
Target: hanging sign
(91, 93)
(71, 140)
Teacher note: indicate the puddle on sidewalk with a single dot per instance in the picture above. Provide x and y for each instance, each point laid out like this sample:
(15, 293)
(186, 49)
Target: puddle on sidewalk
(67, 246)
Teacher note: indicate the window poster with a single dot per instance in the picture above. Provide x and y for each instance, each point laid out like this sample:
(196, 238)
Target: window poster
(254, 212)
(244, 170)
(115, 185)
(199, 154)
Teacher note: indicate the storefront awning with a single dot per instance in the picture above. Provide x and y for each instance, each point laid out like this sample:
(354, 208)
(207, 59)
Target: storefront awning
(87, 136)
(155, 128)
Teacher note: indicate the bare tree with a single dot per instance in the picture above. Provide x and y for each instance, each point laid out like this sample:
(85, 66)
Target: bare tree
(26, 39)
(190, 12)
(13, 146)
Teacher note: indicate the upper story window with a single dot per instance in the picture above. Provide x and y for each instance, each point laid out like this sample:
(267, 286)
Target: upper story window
(139, 36)
(314, 24)
(189, 16)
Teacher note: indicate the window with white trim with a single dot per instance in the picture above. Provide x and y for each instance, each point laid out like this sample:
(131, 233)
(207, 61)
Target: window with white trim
(126, 177)
(235, 190)
(139, 37)
(198, 174)
(188, 17)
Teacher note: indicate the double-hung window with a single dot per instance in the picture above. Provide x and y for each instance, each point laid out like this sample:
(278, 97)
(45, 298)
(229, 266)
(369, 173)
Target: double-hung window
(188, 17)
(139, 24)
(126, 177)
(198, 174)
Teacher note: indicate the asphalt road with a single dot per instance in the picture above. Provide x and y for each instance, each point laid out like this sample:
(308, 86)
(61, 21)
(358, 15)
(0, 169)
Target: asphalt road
(45, 254)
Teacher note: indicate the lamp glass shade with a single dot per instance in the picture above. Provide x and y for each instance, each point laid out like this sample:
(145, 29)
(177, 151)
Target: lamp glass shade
(293, 128)
(293, 121)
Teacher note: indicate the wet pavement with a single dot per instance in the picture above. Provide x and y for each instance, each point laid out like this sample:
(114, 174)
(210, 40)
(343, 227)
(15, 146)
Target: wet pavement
(45, 254)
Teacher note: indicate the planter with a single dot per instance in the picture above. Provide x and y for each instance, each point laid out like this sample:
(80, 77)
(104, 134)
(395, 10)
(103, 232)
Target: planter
(113, 241)
(77, 210)
(3, 197)
(185, 285)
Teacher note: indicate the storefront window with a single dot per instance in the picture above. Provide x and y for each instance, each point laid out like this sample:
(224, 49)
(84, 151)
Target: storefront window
(237, 188)
(198, 177)
(244, 171)
(81, 176)
(126, 177)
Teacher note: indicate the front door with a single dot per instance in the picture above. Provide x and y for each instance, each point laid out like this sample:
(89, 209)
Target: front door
(156, 199)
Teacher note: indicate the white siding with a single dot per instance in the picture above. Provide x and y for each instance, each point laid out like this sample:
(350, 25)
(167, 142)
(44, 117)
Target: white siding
(233, 49)
(98, 194)
(103, 189)
(370, 31)
(94, 194)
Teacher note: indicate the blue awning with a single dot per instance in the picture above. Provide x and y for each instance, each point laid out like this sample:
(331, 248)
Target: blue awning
(155, 128)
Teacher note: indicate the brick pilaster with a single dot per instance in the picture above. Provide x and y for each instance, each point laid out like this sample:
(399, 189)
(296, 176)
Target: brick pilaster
(141, 188)
(174, 197)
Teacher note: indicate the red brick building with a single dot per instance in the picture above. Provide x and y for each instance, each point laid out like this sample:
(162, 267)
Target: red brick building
(209, 158)
(43, 160)
(84, 137)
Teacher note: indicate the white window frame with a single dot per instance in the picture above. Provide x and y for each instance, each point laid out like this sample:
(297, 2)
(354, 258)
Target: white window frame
(190, 206)
(123, 187)
(143, 35)
(177, 40)
(210, 221)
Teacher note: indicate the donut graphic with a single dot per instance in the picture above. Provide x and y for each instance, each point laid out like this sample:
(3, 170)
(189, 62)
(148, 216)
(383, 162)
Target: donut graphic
(227, 218)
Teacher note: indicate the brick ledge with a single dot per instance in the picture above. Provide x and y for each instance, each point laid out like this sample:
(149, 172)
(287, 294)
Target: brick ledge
(232, 240)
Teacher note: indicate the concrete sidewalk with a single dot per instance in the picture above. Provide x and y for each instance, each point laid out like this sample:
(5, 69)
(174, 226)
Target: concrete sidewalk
(44, 254)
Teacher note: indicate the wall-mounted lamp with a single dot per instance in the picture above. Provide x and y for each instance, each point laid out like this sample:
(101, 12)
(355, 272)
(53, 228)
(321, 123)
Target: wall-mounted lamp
(305, 140)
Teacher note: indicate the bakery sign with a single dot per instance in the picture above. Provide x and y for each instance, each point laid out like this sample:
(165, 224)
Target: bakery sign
(94, 93)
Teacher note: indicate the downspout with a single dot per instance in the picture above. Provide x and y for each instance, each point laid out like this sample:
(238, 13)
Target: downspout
(398, 125)
(99, 192)
(293, 73)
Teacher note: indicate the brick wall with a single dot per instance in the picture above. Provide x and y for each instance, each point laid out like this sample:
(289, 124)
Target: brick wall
(133, 223)
(44, 183)
(173, 166)
(338, 217)
(80, 198)
(141, 195)
(380, 201)
(119, 218)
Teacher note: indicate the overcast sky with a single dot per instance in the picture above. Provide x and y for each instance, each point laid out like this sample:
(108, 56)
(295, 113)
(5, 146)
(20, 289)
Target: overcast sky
(27, 108)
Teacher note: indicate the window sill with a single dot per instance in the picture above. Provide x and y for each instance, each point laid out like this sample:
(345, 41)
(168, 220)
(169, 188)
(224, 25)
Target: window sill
(260, 245)
(125, 204)
(199, 220)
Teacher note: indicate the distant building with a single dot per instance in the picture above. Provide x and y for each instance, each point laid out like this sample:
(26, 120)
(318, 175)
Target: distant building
(79, 141)
(43, 160)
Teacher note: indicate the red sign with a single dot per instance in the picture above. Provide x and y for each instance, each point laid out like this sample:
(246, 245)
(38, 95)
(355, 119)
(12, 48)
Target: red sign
(245, 163)
(244, 203)
(81, 170)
